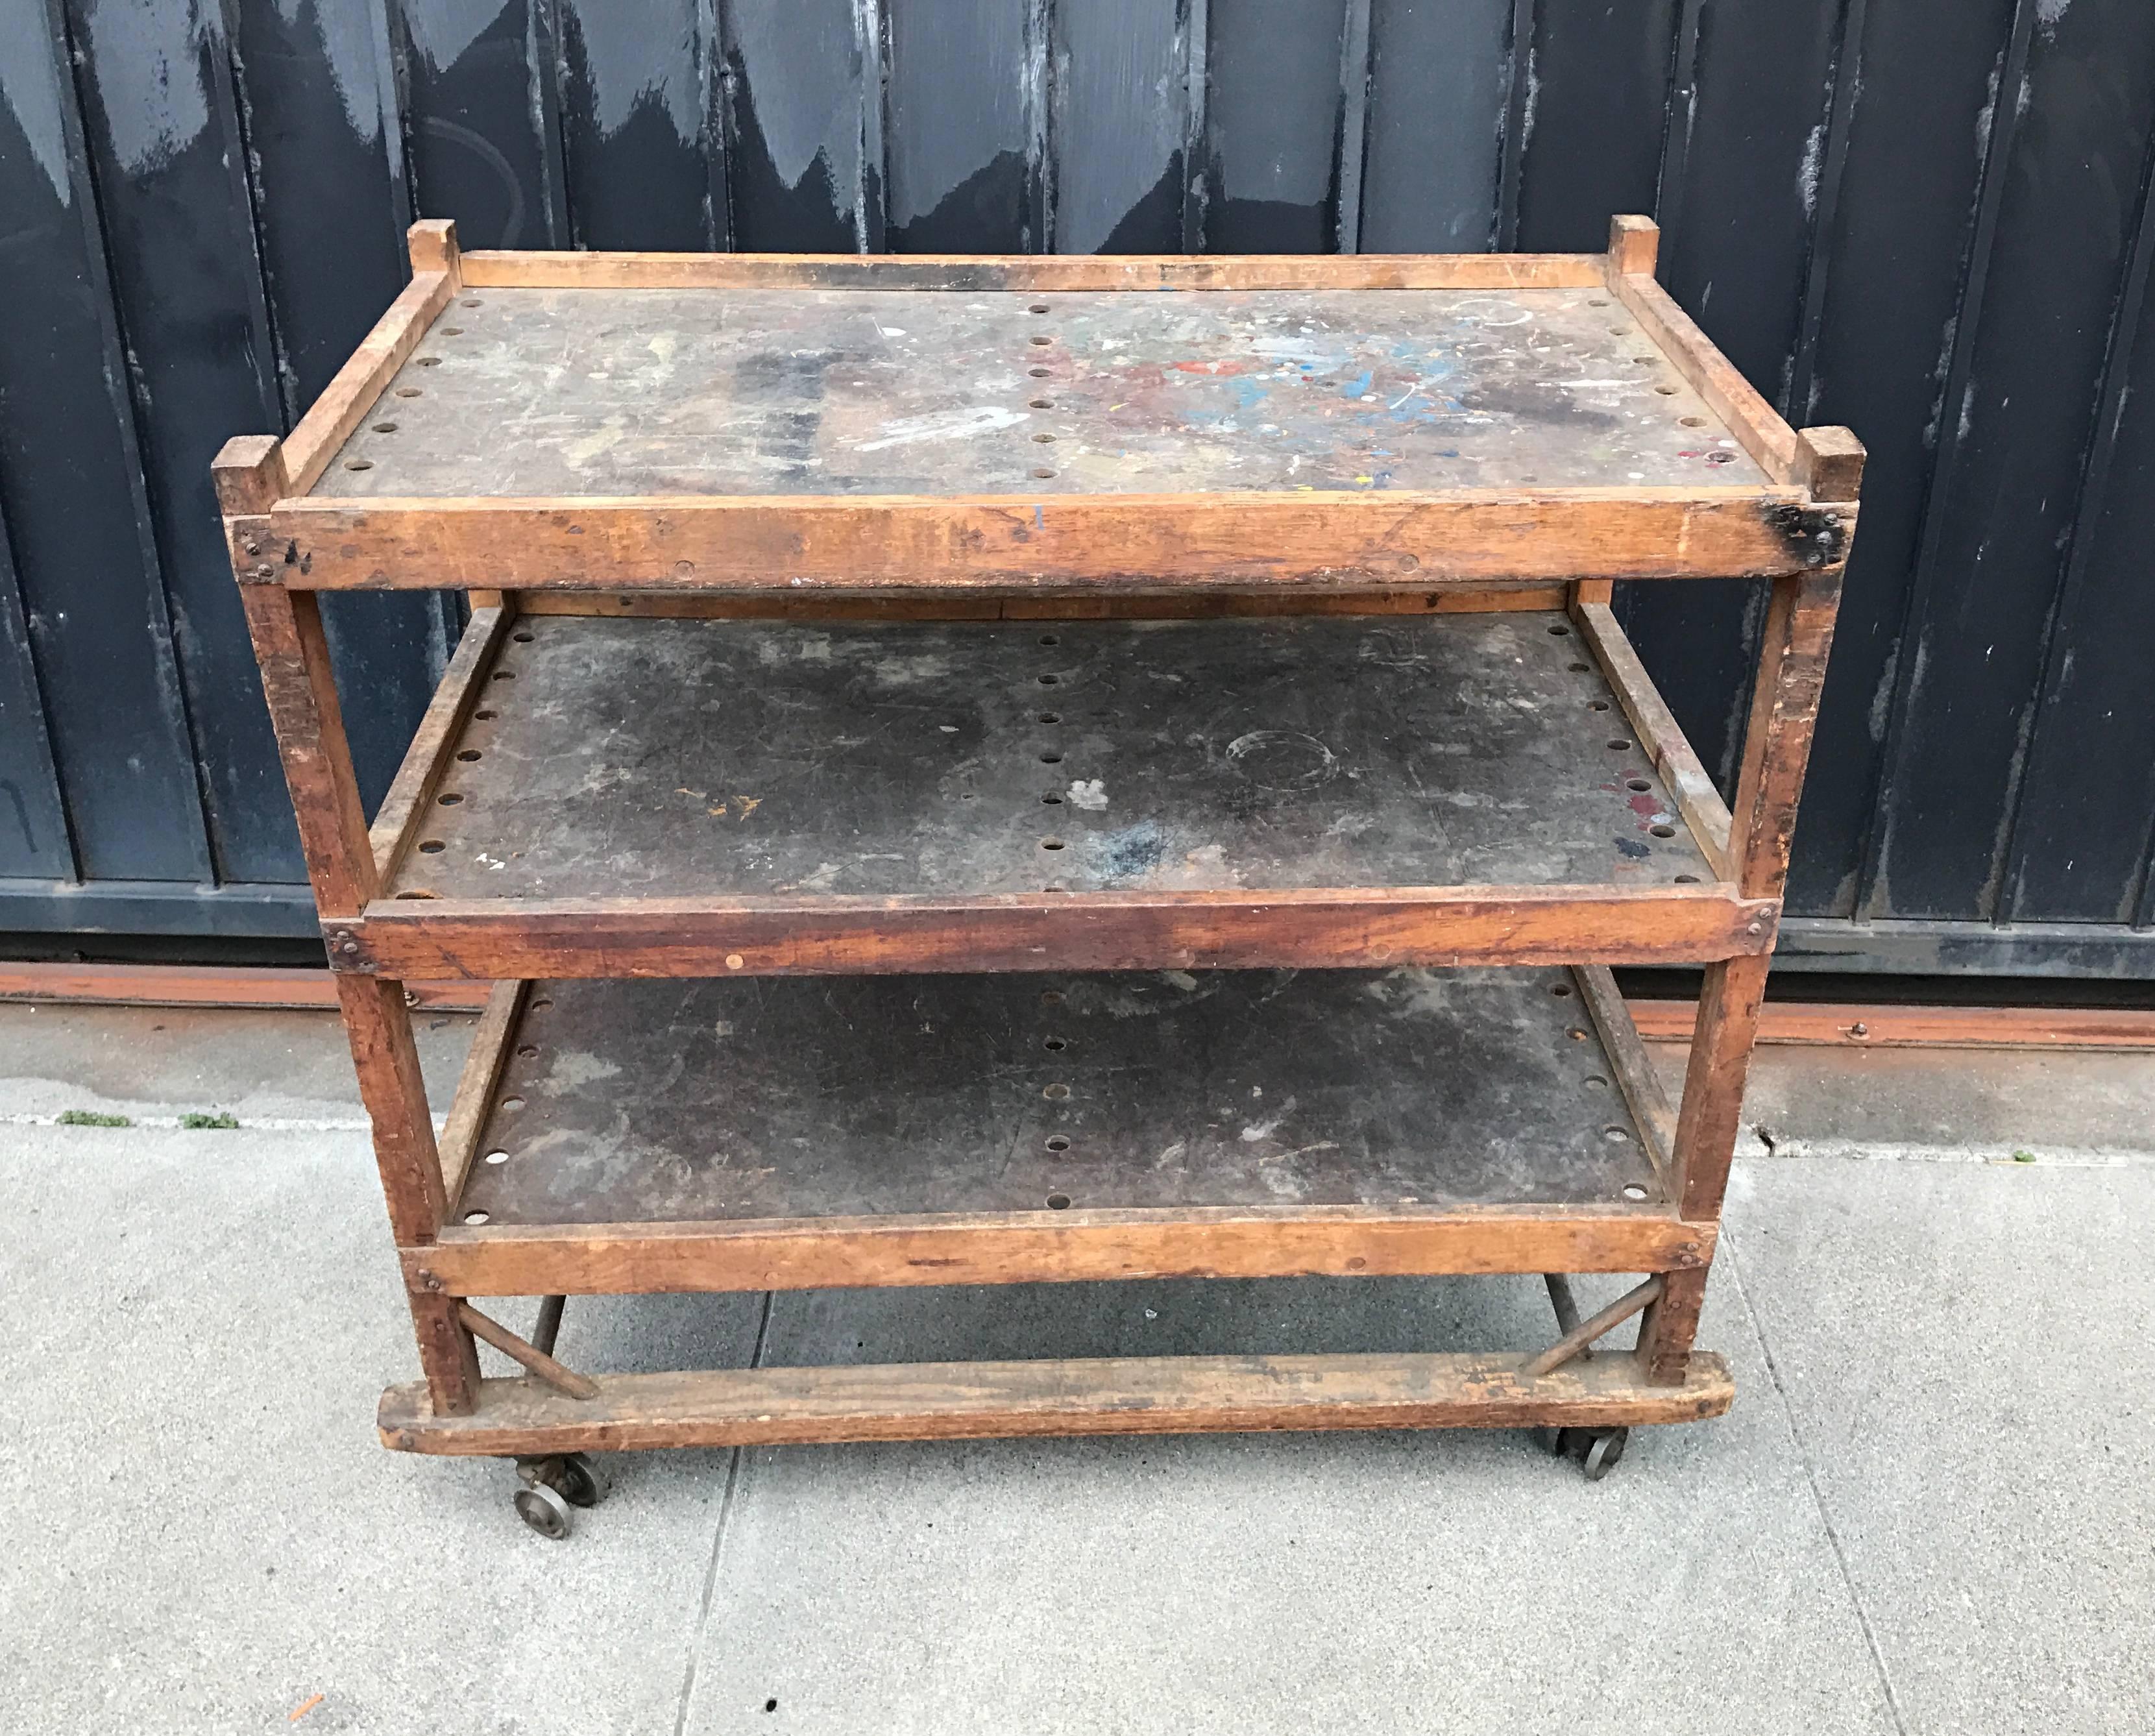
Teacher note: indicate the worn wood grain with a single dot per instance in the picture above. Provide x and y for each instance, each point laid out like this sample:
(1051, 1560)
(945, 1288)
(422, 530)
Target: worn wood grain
(475, 1087)
(1106, 1396)
(807, 934)
(1635, 244)
(313, 444)
(564, 1380)
(1048, 1248)
(1697, 798)
(1830, 463)
(391, 837)
(1128, 541)
(484, 269)
(935, 606)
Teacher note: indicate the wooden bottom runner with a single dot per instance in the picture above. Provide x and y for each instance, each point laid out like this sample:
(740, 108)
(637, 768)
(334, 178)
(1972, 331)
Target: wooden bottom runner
(1105, 1395)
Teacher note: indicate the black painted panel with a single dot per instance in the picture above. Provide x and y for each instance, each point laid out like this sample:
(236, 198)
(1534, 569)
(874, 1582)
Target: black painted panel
(2018, 435)
(962, 101)
(794, 128)
(71, 494)
(1438, 90)
(32, 825)
(640, 155)
(1273, 125)
(1895, 251)
(1120, 127)
(1597, 87)
(478, 118)
(1747, 150)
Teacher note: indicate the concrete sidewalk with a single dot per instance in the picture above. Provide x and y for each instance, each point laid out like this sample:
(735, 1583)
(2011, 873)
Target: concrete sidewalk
(1929, 1512)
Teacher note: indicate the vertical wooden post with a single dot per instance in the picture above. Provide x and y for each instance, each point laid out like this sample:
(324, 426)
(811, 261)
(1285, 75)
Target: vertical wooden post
(1776, 747)
(297, 680)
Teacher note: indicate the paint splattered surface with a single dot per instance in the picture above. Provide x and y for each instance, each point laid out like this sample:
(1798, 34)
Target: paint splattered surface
(644, 1101)
(624, 758)
(631, 392)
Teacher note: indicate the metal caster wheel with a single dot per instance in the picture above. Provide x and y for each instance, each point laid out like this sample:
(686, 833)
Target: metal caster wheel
(543, 1511)
(578, 1481)
(1604, 1447)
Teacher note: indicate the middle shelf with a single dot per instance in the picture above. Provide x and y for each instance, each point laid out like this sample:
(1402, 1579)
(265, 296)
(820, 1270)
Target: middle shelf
(601, 796)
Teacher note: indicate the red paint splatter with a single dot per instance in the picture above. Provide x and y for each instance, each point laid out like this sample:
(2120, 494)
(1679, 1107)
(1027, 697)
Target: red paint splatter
(1225, 365)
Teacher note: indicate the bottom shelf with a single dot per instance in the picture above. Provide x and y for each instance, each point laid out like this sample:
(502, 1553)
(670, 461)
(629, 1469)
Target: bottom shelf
(1104, 1396)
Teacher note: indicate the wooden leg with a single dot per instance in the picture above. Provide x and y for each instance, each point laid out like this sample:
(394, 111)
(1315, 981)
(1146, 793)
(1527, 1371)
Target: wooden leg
(1713, 1084)
(1666, 1334)
(387, 1062)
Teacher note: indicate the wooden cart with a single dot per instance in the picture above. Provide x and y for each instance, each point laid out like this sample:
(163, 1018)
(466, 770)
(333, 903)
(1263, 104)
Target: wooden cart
(1005, 770)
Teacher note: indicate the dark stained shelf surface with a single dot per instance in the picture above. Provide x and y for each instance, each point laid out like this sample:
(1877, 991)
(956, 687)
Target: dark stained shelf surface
(626, 1101)
(612, 758)
(522, 392)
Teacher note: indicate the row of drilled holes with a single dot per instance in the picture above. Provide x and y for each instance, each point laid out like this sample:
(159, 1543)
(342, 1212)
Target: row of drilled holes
(413, 392)
(1622, 744)
(1615, 1135)
(466, 756)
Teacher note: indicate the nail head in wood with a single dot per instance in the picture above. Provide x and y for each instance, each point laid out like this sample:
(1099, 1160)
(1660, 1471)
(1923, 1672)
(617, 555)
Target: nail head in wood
(1635, 244)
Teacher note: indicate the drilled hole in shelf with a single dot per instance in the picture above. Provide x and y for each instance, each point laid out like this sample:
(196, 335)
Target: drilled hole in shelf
(474, 1217)
(472, 301)
(1058, 1142)
(1579, 668)
(1050, 717)
(415, 894)
(1642, 362)
(1576, 1034)
(1615, 1135)
(1637, 783)
(1595, 1079)
(432, 847)
(1617, 744)
(1720, 458)
(1667, 392)
(1597, 301)
(359, 463)
(450, 331)
(430, 361)
(521, 638)
(1043, 474)
(1041, 337)
(1050, 757)
(1597, 704)
(409, 391)
(497, 1157)
(1663, 830)
(1055, 1094)
(1037, 307)
(512, 1103)
(1039, 373)
(1051, 680)
(486, 717)
(385, 427)
(1560, 990)
(1055, 1042)
(1687, 879)
(1692, 421)
(504, 674)
(1051, 639)
(449, 799)
(1559, 632)
(1633, 1192)
(527, 1050)
(1051, 843)
(468, 755)
(965, 795)
(1050, 802)
(1043, 439)
(1051, 997)
(1056, 886)
(1043, 403)
(541, 1004)
(1058, 1202)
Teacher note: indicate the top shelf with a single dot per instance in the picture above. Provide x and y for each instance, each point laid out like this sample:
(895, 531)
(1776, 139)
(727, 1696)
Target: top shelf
(862, 425)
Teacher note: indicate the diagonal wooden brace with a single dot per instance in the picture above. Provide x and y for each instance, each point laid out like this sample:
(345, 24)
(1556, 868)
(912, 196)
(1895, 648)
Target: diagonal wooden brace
(561, 1380)
(1574, 1342)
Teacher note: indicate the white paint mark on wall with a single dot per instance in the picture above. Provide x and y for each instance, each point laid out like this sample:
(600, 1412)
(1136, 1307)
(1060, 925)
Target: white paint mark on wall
(29, 88)
(1807, 171)
(147, 62)
(944, 425)
(347, 39)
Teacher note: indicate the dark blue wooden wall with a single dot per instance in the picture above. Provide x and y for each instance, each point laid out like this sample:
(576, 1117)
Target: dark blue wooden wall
(1925, 218)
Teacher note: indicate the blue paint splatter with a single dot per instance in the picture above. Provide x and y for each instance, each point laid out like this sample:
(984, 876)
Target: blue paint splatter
(1355, 388)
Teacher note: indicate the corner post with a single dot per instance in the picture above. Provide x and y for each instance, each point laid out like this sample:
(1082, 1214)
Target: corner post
(1777, 745)
(1634, 246)
(301, 689)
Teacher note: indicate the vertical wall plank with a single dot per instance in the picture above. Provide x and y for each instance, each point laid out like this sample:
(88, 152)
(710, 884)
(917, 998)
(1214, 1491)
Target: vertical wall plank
(33, 838)
(796, 103)
(1117, 129)
(964, 172)
(2003, 507)
(479, 106)
(2082, 829)
(1895, 252)
(639, 151)
(71, 488)
(1597, 81)
(1437, 96)
(1748, 140)
(1273, 123)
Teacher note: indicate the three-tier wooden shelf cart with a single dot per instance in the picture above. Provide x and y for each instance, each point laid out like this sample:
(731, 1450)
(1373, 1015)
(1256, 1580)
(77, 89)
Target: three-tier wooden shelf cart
(976, 771)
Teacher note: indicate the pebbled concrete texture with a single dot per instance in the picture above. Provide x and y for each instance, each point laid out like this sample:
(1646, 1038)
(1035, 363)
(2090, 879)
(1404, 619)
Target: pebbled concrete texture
(1929, 1511)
